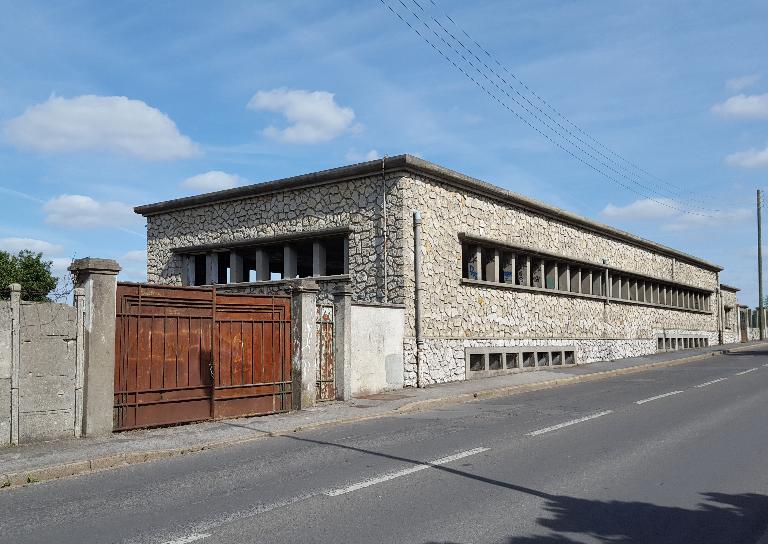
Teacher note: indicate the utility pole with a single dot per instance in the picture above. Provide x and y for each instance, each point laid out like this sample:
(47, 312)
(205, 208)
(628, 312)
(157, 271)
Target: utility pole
(760, 318)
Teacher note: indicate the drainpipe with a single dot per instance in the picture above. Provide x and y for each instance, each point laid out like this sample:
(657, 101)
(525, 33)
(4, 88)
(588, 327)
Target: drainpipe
(417, 306)
(384, 227)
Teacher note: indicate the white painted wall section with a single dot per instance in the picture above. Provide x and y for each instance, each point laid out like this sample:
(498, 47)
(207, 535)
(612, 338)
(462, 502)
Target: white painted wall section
(377, 349)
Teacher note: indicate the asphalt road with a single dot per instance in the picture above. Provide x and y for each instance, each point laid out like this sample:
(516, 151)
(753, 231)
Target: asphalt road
(677, 454)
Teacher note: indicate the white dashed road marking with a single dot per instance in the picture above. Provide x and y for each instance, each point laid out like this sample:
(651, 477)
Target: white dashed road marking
(658, 397)
(710, 383)
(569, 423)
(194, 537)
(392, 475)
(745, 372)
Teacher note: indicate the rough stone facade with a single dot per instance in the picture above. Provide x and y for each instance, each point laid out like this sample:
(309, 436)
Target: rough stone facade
(357, 204)
(730, 315)
(456, 314)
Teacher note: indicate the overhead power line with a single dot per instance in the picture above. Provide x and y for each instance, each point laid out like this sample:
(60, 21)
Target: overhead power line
(542, 122)
(557, 112)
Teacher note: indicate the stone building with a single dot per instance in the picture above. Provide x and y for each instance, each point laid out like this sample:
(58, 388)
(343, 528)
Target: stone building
(506, 283)
(731, 323)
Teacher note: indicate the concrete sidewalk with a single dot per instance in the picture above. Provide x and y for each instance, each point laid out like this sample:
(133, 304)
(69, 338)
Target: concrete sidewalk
(50, 460)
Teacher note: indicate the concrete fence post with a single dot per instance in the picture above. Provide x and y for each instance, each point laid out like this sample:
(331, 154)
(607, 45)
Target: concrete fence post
(342, 351)
(79, 300)
(15, 359)
(304, 335)
(98, 279)
(5, 372)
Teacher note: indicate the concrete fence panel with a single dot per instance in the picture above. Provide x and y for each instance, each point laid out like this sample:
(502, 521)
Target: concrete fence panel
(47, 371)
(57, 360)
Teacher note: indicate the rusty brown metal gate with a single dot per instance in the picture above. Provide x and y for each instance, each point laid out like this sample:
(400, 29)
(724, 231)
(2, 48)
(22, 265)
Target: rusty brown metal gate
(326, 372)
(189, 354)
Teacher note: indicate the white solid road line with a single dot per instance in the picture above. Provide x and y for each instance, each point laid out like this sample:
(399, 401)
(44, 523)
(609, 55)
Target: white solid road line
(745, 372)
(710, 383)
(391, 476)
(193, 537)
(568, 423)
(658, 397)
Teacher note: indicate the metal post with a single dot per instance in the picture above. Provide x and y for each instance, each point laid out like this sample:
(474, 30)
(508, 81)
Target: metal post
(760, 316)
(418, 293)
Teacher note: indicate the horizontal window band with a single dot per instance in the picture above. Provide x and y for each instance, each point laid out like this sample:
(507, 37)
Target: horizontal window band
(557, 292)
(565, 259)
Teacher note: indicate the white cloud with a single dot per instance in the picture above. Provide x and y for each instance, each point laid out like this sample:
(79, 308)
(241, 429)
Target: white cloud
(133, 266)
(668, 214)
(709, 220)
(99, 123)
(740, 83)
(354, 156)
(14, 245)
(743, 106)
(215, 180)
(752, 158)
(312, 116)
(78, 211)
(642, 209)
(59, 266)
(135, 256)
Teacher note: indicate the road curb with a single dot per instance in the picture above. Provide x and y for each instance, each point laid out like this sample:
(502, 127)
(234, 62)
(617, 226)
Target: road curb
(76, 468)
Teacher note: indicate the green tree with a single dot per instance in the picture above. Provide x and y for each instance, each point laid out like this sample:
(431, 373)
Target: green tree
(31, 271)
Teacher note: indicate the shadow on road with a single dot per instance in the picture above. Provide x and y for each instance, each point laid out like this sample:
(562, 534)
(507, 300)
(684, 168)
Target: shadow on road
(751, 353)
(719, 519)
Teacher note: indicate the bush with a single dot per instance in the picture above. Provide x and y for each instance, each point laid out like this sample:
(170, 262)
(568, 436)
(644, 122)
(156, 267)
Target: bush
(31, 271)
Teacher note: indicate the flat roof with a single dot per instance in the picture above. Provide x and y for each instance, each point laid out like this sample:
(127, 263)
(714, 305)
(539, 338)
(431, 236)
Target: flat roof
(729, 288)
(410, 163)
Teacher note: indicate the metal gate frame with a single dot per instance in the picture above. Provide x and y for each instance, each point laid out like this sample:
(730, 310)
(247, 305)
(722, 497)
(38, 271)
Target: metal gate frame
(326, 343)
(213, 336)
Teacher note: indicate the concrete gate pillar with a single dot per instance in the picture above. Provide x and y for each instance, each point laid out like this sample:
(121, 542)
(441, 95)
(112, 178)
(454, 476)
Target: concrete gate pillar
(304, 335)
(342, 331)
(98, 278)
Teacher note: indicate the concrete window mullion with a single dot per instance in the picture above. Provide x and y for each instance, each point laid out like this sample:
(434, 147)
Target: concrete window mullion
(289, 262)
(262, 264)
(236, 272)
(211, 268)
(188, 270)
(491, 272)
(318, 258)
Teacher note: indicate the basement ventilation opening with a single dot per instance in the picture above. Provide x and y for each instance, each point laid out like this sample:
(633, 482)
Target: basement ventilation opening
(513, 360)
(675, 342)
(529, 360)
(494, 361)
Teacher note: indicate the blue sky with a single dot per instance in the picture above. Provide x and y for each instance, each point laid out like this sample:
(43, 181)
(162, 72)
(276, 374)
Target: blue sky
(106, 105)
